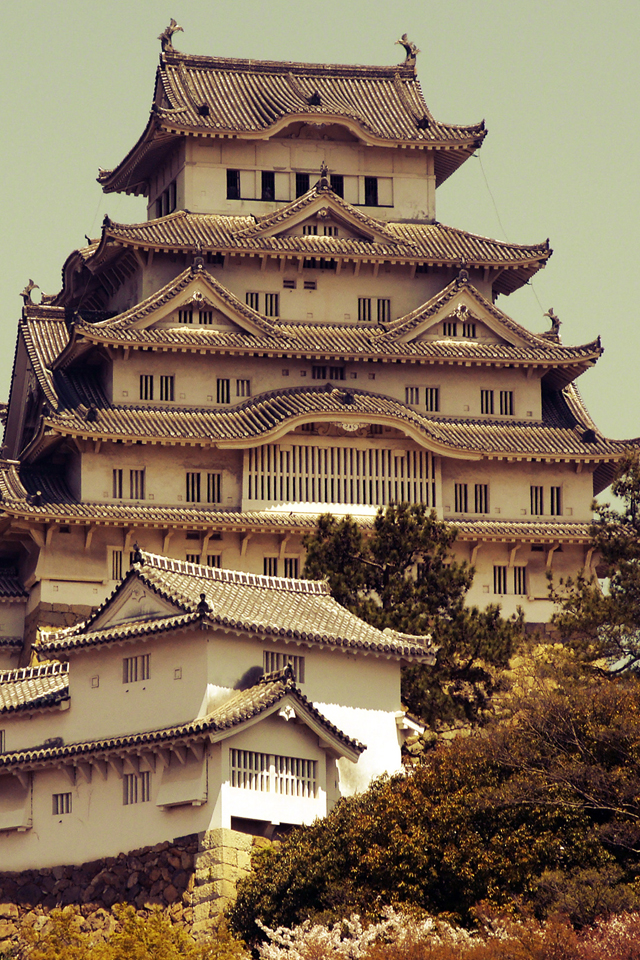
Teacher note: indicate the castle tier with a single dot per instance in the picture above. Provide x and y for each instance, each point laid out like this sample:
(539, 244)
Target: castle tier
(290, 332)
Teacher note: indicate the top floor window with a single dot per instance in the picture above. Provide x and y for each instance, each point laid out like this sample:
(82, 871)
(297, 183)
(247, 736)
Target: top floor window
(233, 184)
(268, 185)
(337, 184)
(166, 202)
(371, 191)
(302, 183)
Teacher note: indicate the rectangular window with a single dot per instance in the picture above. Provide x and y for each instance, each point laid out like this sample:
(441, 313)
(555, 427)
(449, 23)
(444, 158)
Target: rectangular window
(214, 488)
(482, 497)
(291, 567)
(136, 484)
(450, 329)
(302, 183)
(500, 580)
(214, 560)
(506, 403)
(364, 308)
(137, 668)
(243, 388)
(432, 399)
(537, 501)
(167, 388)
(273, 662)
(185, 316)
(287, 776)
(253, 301)
(270, 567)
(193, 488)
(486, 401)
(310, 230)
(146, 386)
(318, 373)
(520, 581)
(272, 304)
(268, 185)
(193, 558)
(233, 184)
(337, 184)
(330, 231)
(336, 373)
(117, 484)
(469, 330)
(384, 311)
(116, 564)
(461, 498)
(310, 285)
(371, 191)
(61, 803)
(556, 502)
(223, 391)
(205, 318)
(412, 394)
(3, 741)
(289, 284)
(136, 788)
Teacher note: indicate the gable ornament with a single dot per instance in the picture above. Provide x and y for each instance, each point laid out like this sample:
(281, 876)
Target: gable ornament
(166, 37)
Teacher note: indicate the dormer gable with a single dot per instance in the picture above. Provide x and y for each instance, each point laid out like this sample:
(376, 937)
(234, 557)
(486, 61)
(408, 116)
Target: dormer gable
(134, 601)
(320, 207)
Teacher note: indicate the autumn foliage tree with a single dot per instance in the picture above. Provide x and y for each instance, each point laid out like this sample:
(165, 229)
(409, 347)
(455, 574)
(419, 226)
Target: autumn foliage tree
(402, 575)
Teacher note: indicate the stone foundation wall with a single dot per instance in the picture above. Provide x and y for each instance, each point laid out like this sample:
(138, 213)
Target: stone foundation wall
(193, 879)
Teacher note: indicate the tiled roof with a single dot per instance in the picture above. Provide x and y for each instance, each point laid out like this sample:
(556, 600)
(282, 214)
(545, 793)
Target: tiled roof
(297, 611)
(530, 531)
(430, 243)
(32, 688)
(215, 96)
(45, 335)
(12, 588)
(241, 707)
(270, 415)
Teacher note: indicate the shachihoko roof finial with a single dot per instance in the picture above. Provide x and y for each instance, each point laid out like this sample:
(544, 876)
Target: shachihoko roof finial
(324, 175)
(412, 50)
(555, 321)
(167, 34)
(26, 293)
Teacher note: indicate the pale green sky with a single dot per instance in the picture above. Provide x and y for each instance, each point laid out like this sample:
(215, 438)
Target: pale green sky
(557, 81)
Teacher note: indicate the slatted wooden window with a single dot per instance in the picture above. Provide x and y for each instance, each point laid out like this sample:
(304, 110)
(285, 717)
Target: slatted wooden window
(193, 558)
(340, 474)
(506, 403)
(116, 564)
(500, 579)
(364, 308)
(223, 390)
(136, 788)
(214, 488)
(556, 501)
(537, 500)
(272, 304)
(291, 567)
(146, 386)
(60, 804)
(520, 581)
(310, 230)
(193, 488)
(135, 669)
(482, 497)
(167, 387)
(270, 566)
(469, 330)
(412, 395)
(243, 388)
(269, 773)
(205, 318)
(384, 310)
(461, 498)
(486, 401)
(432, 399)
(136, 484)
(214, 560)
(185, 316)
(253, 300)
(450, 328)
(273, 661)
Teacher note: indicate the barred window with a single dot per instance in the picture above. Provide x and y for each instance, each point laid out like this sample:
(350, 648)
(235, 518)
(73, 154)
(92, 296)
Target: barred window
(337, 184)
(193, 487)
(310, 285)
(384, 310)
(336, 373)
(412, 394)
(61, 804)
(223, 390)
(500, 579)
(146, 386)
(136, 788)
(482, 497)
(117, 484)
(193, 558)
(461, 498)
(272, 304)
(371, 191)
(268, 185)
(205, 318)
(291, 567)
(520, 581)
(116, 564)
(137, 668)
(233, 184)
(364, 308)
(310, 230)
(318, 373)
(270, 567)
(302, 183)
(330, 231)
(556, 501)
(185, 316)
(243, 388)
(432, 399)
(136, 484)
(287, 776)
(3, 742)
(450, 328)
(289, 284)
(253, 300)
(537, 501)
(167, 387)
(469, 330)
(506, 403)
(214, 560)
(486, 401)
(214, 488)
(273, 661)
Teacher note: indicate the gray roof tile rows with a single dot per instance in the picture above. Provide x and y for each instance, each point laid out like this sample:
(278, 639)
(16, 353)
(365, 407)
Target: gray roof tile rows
(298, 611)
(33, 688)
(242, 706)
